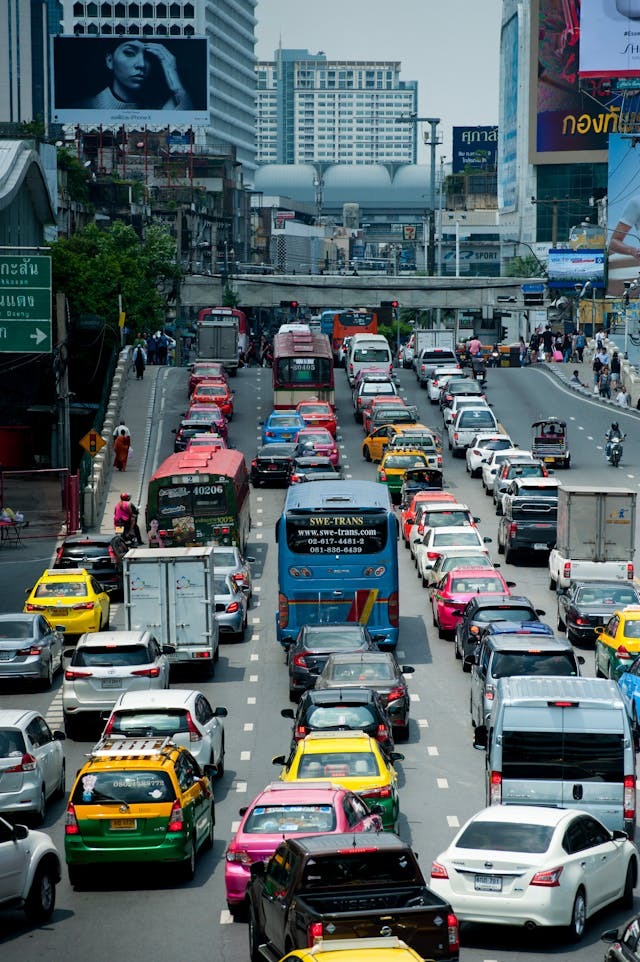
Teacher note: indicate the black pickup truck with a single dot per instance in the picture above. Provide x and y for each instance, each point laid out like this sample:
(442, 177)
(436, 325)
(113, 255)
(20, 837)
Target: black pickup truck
(345, 887)
(529, 523)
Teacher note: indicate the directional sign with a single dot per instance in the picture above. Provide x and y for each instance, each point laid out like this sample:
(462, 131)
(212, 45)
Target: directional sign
(25, 304)
(92, 442)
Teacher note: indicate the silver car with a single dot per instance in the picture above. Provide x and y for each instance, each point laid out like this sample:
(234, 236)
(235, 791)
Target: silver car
(229, 560)
(231, 607)
(106, 663)
(32, 767)
(30, 648)
(185, 715)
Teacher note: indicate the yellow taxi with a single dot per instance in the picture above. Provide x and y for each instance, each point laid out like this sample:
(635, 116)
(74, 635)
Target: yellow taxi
(70, 598)
(138, 800)
(351, 759)
(384, 949)
(618, 642)
(374, 445)
(394, 463)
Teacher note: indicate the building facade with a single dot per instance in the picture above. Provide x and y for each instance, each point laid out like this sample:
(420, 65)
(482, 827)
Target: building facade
(314, 110)
(25, 28)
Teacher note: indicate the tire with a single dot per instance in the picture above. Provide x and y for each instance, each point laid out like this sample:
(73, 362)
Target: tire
(367, 453)
(487, 491)
(577, 925)
(187, 869)
(220, 764)
(626, 899)
(442, 633)
(561, 625)
(47, 681)
(499, 508)
(60, 791)
(425, 583)
(456, 650)
(553, 584)
(208, 841)
(107, 623)
(500, 547)
(37, 818)
(41, 900)
(508, 555)
(401, 732)
(71, 728)
(238, 911)
(255, 939)
(78, 875)
(598, 672)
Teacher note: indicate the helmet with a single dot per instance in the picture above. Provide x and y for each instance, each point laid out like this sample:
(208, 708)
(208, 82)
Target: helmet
(125, 496)
(614, 426)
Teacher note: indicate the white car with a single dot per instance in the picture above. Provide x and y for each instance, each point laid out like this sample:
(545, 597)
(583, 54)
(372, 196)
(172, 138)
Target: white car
(426, 517)
(529, 488)
(30, 869)
(529, 865)
(468, 422)
(103, 665)
(481, 447)
(465, 401)
(491, 465)
(32, 767)
(427, 553)
(457, 558)
(440, 376)
(184, 714)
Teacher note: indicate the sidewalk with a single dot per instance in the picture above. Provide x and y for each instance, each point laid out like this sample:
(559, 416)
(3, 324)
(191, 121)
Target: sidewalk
(137, 413)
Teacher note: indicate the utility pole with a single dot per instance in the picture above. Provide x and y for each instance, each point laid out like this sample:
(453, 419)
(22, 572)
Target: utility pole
(433, 143)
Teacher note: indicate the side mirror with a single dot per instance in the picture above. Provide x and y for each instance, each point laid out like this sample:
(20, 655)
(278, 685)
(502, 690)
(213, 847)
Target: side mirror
(479, 738)
(210, 772)
(580, 660)
(173, 431)
(487, 540)
(278, 760)
(288, 713)
(20, 832)
(287, 641)
(511, 584)
(540, 611)
(407, 669)
(220, 712)
(477, 520)
(396, 756)
(168, 649)
(250, 560)
(68, 652)
(243, 811)
(59, 736)
(611, 935)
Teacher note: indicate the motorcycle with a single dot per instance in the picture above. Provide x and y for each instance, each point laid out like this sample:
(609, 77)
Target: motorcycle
(479, 370)
(615, 456)
(130, 534)
(494, 358)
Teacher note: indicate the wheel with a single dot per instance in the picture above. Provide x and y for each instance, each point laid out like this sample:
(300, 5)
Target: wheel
(499, 508)
(208, 841)
(255, 939)
(626, 900)
(41, 900)
(456, 650)
(508, 555)
(78, 875)
(561, 625)
(433, 618)
(401, 732)
(220, 763)
(553, 584)
(187, 868)
(216, 656)
(38, 814)
(107, 623)
(576, 927)
(487, 491)
(47, 681)
(441, 632)
(367, 453)
(60, 790)
(238, 911)
(500, 547)
(598, 672)
(425, 583)
(293, 694)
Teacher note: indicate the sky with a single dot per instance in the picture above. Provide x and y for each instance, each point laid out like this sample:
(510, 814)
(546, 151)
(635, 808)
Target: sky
(451, 48)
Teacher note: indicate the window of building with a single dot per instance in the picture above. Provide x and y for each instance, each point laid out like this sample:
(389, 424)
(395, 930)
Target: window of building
(119, 30)
(174, 30)
(92, 29)
(147, 30)
(174, 11)
(106, 29)
(147, 10)
(161, 30)
(105, 10)
(189, 30)
(78, 10)
(134, 10)
(133, 29)
(189, 12)
(161, 11)
(119, 10)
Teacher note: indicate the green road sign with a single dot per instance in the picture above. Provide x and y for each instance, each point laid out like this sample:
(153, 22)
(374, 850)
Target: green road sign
(25, 303)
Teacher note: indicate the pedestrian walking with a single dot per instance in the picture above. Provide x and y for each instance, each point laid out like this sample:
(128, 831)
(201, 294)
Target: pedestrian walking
(522, 350)
(547, 343)
(581, 343)
(622, 398)
(119, 429)
(604, 383)
(139, 363)
(162, 348)
(615, 367)
(151, 349)
(597, 368)
(121, 447)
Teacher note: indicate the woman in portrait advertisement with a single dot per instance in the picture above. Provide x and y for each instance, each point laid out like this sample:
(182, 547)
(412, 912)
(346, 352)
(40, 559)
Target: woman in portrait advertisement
(139, 75)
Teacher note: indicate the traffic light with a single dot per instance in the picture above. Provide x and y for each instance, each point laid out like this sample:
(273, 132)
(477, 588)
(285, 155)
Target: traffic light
(93, 442)
(291, 304)
(393, 304)
(503, 332)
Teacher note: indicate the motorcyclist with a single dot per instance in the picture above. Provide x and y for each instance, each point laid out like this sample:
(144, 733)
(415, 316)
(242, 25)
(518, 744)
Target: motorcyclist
(126, 515)
(613, 432)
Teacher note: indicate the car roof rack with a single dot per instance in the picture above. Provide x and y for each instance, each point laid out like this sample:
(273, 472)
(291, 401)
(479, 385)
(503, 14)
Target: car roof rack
(114, 747)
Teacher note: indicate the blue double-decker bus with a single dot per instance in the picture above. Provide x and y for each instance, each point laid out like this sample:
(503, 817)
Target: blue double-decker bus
(338, 558)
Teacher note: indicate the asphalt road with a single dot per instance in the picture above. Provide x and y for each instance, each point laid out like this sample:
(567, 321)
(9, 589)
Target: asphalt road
(145, 915)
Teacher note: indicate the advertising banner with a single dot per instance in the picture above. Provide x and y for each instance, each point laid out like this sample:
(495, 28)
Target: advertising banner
(474, 148)
(131, 81)
(571, 117)
(609, 38)
(568, 267)
(623, 213)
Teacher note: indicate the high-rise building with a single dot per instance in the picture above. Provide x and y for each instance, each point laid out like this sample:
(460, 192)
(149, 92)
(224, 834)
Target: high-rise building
(314, 110)
(229, 27)
(25, 28)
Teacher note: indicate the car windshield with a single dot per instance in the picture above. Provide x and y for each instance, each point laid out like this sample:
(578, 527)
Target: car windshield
(469, 561)
(380, 869)
(317, 437)
(11, 742)
(377, 387)
(110, 656)
(290, 819)
(221, 587)
(473, 419)
(211, 390)
(446, 519)
(342, 637)
(338, 765)
(285, 422)
(315, 409)
(476, 585)
(152, 722)
(404, 461)
(532, 492)
(525, 471)
(132, 787)
(65, 589)
(85, 551)
(517, 615)
(605, 595)
(224, 559)
(442, 538)
(339, 716)
(506, 837)
(508, 664)
(363, 671)
(16, 629)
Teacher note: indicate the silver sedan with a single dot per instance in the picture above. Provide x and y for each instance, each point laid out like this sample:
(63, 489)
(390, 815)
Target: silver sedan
(29, 648)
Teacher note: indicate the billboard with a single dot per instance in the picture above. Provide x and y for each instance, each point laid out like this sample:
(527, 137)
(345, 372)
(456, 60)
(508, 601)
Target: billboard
(609, 38)
(567, 267)
(474, 149)
(571, 118)
(623, 213)
(132, 81)
(509, 121)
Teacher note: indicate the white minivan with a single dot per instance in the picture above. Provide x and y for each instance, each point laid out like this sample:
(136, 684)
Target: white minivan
(368, 351)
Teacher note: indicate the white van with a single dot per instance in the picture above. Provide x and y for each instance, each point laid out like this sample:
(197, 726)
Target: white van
(368, 350)
(561, 741)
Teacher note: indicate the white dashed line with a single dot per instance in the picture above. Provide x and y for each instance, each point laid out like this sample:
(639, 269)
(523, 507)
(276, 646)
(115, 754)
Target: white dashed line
(257, 590)
(453, 821)
(400, 653)
(423, 723)
(235, 825)
(261, 498)
(414, 696)
(255, 621)
(241, 787)
(442, 783)
(251, 700)
(245, 756)
(259, 536)
(580, 428)
(255, 636)
(226, 918)
(571, 419)
(247, 727)
(258, 523)
(589, 437)
(432, 750)
(254, 656)
(260, 511)
(253, 679)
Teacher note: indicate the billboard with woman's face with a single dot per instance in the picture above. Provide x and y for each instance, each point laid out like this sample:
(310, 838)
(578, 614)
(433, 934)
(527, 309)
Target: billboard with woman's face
(131, 80)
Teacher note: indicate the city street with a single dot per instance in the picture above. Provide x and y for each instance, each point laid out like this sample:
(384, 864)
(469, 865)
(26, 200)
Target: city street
(146, 914)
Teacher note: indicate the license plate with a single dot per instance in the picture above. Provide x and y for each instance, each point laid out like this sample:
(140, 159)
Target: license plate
(273, 467)
(286, 437)
(6, 655)
(550, 460)
(488, 883)
(540, 546)
(59, 611)
(111, 683)
(123, 824)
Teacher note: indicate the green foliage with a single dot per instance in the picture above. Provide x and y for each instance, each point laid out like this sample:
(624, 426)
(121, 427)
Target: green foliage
(93, 266)
(77, 175)
(229, 296)
(32, 128)
(522, 267)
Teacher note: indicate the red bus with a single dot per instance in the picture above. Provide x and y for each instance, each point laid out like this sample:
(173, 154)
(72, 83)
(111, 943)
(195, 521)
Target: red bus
(346, 323)
(201, 497)
(302, 368)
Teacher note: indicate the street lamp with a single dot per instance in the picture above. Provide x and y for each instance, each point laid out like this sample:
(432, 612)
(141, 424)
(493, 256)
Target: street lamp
(628, 287)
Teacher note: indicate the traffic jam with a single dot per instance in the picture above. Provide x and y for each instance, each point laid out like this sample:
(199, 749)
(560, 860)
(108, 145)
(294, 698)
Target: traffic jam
(317, 867)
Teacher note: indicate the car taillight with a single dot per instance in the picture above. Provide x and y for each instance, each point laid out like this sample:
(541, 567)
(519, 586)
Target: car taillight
(438, 870)
(314, 933)
(623, 654)
(31, 607)
(108, 728)
(296, 478)
(283, 610)
(84, 606)
(59, 554)
(26, 764)
(489, 693)
(71, 674)
(383, 792)
(383, 475)
(381, 733)
(629, 797)
(269, 434)
(70, 821)
(513, 528)
(582, 621)
(630, 570)
(232, 607)
(433, 555)
(112, 555)
(254, 462)
(235, 854)
(299, 732)
(31, 650)
(194, 734)
(495, 788)
(299, 660)
(455, 435)
(439, 461)
(420, 529)
(147, 672)
(176, 818)
(566, 571)
(549, 878)
(395, 693)
(453, 933)
(393, 609)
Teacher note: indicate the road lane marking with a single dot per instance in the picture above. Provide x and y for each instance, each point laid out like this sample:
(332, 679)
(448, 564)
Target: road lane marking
(253, 679)
(259, 537)
(255, 636)
(255, 621)
(432, 750)
(400, 653)
(423, 723)
(414, 696)
(254, 656)
(251, 700)
(257, 589)
(453, 821)
(442, 783)
(248, 727)
(226, 918)
(241, 787)
(235, 825)
(245, 756)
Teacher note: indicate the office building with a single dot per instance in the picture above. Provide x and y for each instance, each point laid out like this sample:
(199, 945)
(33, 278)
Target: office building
(25, 28)
(314, 110)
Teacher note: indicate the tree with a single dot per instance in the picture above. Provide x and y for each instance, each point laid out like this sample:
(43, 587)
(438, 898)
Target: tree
(527, 266)
(92, 266)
